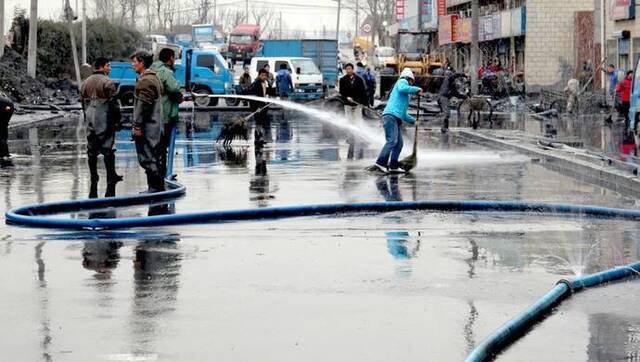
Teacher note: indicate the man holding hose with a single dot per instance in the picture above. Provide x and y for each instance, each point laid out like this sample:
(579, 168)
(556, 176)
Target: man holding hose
(394, 113)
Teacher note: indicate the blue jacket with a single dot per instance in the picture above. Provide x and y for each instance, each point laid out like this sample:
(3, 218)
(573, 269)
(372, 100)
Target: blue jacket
(398, 103)
(613, 81)
(284, 82)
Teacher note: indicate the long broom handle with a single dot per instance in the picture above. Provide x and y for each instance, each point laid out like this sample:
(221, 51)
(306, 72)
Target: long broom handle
(248, 117)
(415, 138)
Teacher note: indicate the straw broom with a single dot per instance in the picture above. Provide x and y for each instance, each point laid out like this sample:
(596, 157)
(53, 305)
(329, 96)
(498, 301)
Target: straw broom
(410, 162)
(237, 128)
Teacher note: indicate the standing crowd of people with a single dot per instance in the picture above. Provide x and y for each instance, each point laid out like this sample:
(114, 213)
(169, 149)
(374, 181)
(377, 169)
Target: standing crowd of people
(155, 114)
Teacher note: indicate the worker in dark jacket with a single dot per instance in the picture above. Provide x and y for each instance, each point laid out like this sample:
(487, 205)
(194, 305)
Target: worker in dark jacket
(444, 96)
(259, 88)
(245, 82)
(148, 124)
(353, 92)
(102, 118)
(6, 111)
(370, 81)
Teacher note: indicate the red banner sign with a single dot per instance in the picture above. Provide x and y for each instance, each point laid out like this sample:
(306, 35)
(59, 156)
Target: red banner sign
(399, 9)
(445, 29)
(442, 7)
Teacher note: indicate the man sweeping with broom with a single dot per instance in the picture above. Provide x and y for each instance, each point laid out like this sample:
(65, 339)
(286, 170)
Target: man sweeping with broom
(394, 113)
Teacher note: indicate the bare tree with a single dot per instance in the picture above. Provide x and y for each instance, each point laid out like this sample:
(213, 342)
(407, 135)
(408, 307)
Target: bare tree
(202, 8)
(263, 18)
(123, 6)
(228, 19)
(377, 11)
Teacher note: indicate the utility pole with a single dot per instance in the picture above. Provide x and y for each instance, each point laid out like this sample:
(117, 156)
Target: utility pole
(473, 67)
(420, 15)
(215, 12)
(246, 9)
(357, 20)
(280, 30)
(33, 39)
(603, 43)
(2, 27)
(337, 23)
(84, 31)
(68, 13)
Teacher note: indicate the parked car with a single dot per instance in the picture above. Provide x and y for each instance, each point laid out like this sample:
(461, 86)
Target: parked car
(306, 77)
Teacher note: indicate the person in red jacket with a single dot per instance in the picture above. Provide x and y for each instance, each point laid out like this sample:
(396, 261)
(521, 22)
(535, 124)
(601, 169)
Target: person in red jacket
(624, 91)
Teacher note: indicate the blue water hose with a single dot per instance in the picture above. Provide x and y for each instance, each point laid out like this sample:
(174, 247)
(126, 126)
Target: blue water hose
(37, 215)
(518, 326)
(172, 151)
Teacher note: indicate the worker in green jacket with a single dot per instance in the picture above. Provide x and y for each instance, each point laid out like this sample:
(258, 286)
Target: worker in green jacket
(172, 97)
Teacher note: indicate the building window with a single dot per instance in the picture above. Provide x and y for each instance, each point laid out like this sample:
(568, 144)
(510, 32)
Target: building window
(623, 53)
(636, 51)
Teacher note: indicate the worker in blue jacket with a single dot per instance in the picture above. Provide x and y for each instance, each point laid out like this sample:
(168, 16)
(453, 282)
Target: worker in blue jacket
(394, 113)
(284, 84)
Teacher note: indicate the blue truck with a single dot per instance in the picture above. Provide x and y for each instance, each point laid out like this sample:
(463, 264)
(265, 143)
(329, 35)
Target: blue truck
(201, 71)
(323, 52)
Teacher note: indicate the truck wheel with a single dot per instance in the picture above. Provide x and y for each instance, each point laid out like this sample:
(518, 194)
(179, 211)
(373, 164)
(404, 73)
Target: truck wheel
(126, 98)
(232, 102)
(204, 101)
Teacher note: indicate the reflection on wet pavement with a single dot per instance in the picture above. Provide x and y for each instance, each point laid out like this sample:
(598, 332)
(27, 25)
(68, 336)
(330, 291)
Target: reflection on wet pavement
(403, 286)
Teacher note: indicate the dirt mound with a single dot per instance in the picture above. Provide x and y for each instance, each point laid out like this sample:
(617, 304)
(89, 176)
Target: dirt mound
(15, 82)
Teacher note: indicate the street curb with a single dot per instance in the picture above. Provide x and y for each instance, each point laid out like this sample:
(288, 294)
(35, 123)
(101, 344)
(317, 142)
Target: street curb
(606, 176)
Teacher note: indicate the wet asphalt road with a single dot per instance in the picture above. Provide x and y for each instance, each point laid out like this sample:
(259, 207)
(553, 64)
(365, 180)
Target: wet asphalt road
(405, 286)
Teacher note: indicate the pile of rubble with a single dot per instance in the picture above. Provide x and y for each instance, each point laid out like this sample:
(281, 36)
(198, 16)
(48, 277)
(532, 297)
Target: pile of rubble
(21, 88)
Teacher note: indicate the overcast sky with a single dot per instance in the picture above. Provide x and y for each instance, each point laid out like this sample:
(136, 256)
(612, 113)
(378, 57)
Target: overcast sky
(295, 16)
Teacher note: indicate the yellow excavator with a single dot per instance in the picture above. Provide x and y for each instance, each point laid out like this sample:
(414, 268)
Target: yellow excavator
(411, 52)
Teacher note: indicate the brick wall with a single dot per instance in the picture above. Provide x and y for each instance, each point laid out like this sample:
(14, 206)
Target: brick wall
(549, 49)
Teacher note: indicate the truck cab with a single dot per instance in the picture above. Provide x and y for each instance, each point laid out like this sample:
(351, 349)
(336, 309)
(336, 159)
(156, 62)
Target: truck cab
(206, 36)
(199, 71)
(306, 77)
(244, 42)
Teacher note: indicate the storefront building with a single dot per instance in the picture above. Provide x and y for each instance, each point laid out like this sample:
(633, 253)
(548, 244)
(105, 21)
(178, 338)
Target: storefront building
(623, 34)
(501, 37)
(548, 40)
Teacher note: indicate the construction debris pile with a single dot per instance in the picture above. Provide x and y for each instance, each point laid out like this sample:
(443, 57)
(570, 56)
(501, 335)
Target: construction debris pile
(21, 88)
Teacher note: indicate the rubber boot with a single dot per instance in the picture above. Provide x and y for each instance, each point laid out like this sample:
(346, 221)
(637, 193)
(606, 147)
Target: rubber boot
(111, 190)
(159, 183)
(93, 168)
(93, 190)
(92, 161)
(445, 126)
(110, 165)
(150, 183)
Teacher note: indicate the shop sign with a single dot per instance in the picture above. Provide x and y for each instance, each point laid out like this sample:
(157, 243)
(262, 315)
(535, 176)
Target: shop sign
(446, 29)
(622, 9)
(442, 7)
(399, 9)
(462, 30)
(429, 14)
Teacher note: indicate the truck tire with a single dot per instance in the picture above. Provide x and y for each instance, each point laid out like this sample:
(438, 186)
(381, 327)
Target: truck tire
(232, 102)
(204, 101)
(126, 98)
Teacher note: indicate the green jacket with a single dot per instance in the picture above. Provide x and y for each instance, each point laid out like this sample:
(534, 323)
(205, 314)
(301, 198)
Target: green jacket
(171, 90)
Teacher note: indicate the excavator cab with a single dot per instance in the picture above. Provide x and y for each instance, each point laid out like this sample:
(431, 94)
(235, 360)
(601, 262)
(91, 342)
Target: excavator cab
(411, 52)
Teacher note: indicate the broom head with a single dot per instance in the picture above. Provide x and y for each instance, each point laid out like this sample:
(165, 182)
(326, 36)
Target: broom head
(234, 129)
(408, 163)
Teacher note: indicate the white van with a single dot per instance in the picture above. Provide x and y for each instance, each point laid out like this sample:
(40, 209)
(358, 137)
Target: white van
(306, 77)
